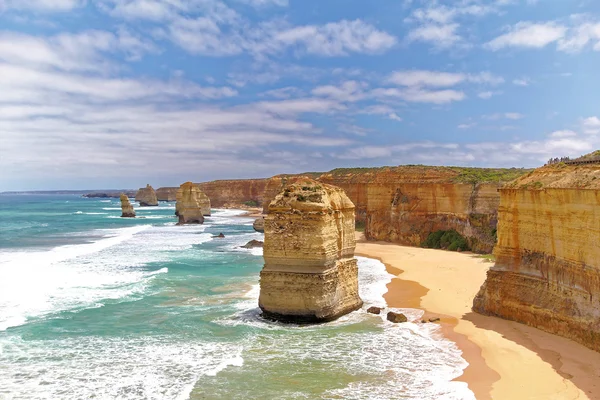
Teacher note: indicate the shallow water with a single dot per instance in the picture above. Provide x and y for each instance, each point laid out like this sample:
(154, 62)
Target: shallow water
(97, 306)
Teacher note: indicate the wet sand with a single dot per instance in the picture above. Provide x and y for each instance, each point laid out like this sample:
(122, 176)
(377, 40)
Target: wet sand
(506, 360)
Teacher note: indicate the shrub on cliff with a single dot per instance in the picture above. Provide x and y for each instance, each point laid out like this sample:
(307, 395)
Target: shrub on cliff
(447, 240)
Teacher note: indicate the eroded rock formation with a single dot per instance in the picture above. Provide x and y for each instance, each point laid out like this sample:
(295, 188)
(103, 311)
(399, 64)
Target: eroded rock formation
(200, 196)
(310, 273)
(167, 193)
(146, 196)
(547, 271)
(127, 210)
(259, 224)
(235, 193)
(189, 208)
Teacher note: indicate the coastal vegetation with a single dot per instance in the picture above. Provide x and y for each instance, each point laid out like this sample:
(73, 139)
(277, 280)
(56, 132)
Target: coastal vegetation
(446, 240)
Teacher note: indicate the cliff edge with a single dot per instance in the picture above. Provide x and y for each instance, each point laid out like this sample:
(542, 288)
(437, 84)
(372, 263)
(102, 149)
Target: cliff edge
(547, 271)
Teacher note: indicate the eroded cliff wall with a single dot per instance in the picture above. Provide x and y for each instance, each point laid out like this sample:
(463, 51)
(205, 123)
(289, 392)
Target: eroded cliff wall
(310, 273)
(398, 204)
(235, 192)
(547, 271)
(167, 193)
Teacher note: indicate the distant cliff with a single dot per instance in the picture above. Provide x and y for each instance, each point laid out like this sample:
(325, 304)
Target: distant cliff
(166, 193)
(547, 271)
(398, 204)
(235, 193)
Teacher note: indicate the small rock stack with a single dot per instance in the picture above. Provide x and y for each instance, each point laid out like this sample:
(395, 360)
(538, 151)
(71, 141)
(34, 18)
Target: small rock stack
(127, 210)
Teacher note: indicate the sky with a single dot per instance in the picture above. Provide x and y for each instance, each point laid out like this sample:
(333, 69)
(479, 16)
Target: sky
(120, 93)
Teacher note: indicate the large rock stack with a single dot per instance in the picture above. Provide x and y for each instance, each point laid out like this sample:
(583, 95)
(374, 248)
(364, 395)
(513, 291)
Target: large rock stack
(127, 210)
(146, 196)
(202, 198)
(189, 204)
(310, 273)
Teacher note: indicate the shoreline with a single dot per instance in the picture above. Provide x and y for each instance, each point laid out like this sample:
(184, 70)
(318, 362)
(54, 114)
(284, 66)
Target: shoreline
(507, 360)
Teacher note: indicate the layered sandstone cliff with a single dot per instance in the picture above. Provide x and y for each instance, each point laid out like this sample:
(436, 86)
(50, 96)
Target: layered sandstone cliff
(547, 271)
(146, 196)
(189, 208)
(200, 196)
(127, 210)
(310, 273)
(167, 193)
(398, 204)
(235, 193)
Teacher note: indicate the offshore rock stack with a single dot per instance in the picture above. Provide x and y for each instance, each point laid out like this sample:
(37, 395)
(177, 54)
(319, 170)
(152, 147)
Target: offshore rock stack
(310, 273)
(191, 204)
(146, 196)
(127, 210)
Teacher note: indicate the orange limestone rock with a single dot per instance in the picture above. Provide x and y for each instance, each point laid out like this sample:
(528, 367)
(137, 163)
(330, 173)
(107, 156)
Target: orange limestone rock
(167, 193)
(547, 271)
(202, 198)
(127, 210)
(189, 207)
(310, 273)
(146, 196)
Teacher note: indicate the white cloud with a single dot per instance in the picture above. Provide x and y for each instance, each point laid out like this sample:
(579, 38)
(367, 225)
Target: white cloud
(347, 91)
(591, 125)
(439, 35)
(82, 51)
(485, 95)
(337, 38)
(40, 5)
(513, 115)
(394, 117)
(418, 95)
(425, 78)
(466, 126)
(580, 36)
(562, 134)
(265, 3)
(528, 34)
(521, 82)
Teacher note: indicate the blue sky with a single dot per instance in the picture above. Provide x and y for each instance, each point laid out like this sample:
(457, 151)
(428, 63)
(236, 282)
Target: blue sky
(118, 93)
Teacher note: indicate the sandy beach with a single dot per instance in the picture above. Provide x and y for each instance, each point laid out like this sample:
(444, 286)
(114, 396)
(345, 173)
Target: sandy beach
(507, 360)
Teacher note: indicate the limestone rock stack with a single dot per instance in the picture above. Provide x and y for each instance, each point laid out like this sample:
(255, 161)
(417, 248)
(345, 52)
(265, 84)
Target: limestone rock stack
(146, 196)
(201, 197)
(127, 210)
(259, 224)
(547, 272)
(310, 273)
(189, 207)
(166, 193)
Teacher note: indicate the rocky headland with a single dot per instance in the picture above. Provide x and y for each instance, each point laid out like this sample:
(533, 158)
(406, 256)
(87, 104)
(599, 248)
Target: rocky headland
(189, 204)
(146, 196)
(547, 271)
(127, 210)
(310, 273)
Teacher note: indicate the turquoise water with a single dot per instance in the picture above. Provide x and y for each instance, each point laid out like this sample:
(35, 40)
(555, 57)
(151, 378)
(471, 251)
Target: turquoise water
(94, 306)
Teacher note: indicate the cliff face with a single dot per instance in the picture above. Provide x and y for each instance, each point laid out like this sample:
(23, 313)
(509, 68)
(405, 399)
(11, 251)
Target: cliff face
(146, 196)
(167, 193)
(310, 273)
(399, 204)
(234, 193)
(547, 272)
(188, 205)
(127, 210)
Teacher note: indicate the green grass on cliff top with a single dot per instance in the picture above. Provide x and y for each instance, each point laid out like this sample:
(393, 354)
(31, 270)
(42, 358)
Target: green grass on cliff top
(492, 175)
(463, 174)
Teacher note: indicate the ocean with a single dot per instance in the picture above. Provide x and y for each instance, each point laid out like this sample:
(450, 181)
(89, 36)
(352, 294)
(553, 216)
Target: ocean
(94, 306)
